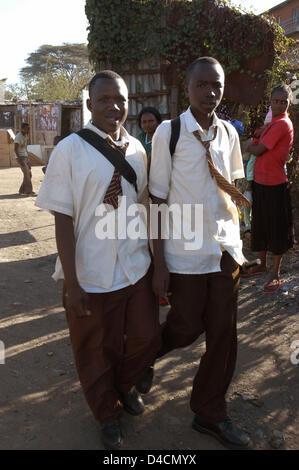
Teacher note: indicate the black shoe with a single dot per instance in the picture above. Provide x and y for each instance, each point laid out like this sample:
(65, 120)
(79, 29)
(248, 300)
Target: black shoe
(145, 383)
(111, 435)
(133, 402)
(226, 433)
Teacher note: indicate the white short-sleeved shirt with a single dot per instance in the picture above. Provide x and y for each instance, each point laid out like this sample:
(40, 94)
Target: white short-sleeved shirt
(75, 184)
(185, 178)
(22, 140)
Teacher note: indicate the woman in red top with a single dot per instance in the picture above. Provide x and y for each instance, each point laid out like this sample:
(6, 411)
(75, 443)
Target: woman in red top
(271, 228)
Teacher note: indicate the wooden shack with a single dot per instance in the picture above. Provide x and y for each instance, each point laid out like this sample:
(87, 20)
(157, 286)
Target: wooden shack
(46, 120)
(147, 87)
(171, 35)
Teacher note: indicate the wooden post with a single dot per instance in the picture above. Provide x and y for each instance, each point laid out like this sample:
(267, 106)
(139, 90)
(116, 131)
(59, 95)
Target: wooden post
(31, 124)
(174, 101)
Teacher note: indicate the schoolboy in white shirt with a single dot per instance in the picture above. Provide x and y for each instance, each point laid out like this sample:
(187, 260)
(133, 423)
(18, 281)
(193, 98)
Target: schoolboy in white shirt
(111, 310)
(203, 281)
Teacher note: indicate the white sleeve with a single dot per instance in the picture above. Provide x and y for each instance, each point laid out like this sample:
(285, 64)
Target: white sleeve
(56, 191)
(142, 172)
(237, 167)
(18, 139)
(161, 162)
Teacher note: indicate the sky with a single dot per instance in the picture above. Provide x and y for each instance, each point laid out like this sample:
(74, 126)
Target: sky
(28, 24)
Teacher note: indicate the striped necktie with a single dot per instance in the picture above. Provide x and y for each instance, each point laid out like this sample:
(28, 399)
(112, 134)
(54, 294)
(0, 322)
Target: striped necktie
(221, 182)
(114, 190)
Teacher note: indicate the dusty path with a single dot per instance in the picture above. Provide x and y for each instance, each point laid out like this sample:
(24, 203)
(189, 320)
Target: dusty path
(41, 404)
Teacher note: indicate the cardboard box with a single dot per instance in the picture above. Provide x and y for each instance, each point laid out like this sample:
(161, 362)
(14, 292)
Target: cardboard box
(6, 136)
(4, 160)
(12, 156)
(4, 148)
(35, 154)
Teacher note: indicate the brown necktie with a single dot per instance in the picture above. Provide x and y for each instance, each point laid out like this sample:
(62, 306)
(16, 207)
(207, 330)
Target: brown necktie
(114, 190)
(222, 182)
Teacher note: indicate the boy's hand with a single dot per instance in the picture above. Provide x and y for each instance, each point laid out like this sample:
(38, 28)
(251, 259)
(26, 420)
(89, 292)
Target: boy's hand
(160, 281)
(78, 302)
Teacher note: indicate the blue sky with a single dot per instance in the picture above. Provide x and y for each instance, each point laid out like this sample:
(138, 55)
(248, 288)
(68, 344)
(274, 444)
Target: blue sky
(28, 24)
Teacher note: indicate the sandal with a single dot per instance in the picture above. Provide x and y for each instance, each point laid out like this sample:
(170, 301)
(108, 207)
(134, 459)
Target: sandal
(273, 286)
(253, 271)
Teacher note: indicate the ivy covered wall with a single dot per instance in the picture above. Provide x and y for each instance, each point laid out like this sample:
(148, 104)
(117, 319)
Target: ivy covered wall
(122, 32)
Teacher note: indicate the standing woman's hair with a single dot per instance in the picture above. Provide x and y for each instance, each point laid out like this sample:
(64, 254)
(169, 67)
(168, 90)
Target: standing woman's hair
(283, 87)
(151, 110)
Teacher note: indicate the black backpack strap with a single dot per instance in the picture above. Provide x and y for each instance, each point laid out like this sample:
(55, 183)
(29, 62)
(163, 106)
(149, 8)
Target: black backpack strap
(175, 134)
(113, 156)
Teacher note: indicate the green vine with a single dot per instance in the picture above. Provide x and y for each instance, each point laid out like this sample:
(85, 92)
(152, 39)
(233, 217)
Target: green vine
(124, 32)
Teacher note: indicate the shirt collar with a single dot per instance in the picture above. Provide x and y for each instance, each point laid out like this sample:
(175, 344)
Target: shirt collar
(124, 136)
(280, 116)
(192, 125)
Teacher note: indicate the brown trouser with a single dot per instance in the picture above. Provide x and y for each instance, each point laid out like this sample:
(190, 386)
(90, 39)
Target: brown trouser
(26, 186)
(206, 302)
(115, 345)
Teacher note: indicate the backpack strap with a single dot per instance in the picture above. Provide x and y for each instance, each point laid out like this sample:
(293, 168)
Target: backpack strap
(175, 134)
(176, 129)
(114, 156)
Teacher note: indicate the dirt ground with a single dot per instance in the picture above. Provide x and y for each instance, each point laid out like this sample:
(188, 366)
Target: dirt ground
(41, 403)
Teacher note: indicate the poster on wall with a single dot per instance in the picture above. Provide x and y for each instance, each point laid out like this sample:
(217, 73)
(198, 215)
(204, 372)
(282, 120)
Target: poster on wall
(47, 117)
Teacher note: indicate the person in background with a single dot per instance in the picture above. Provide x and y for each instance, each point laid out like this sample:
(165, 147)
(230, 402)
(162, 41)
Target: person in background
(21, 142)
(249, 179)
(238, 125)
(271, 227)
(148, 120)
(250, 172)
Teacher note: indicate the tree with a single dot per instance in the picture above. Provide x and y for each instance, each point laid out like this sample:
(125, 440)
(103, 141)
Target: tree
(15, 91)
(48, 86)
(70, 60)
(53, 73)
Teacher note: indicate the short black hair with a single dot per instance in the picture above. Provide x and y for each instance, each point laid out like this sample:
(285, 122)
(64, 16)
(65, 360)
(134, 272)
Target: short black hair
(149, 109)
(199, 61)
(24, 124)
(283, 87)
(109, 74)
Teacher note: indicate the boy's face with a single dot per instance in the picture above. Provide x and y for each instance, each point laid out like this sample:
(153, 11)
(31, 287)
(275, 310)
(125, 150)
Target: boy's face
(279, 102)
(205, 88)
(108, 104)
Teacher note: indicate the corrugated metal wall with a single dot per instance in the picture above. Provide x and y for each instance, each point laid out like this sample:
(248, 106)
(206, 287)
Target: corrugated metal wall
(146, 88)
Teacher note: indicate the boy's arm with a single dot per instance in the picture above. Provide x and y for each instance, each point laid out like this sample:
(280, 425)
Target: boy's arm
(77, 299)
(160, 279)
(17, 149)
(159, 184)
